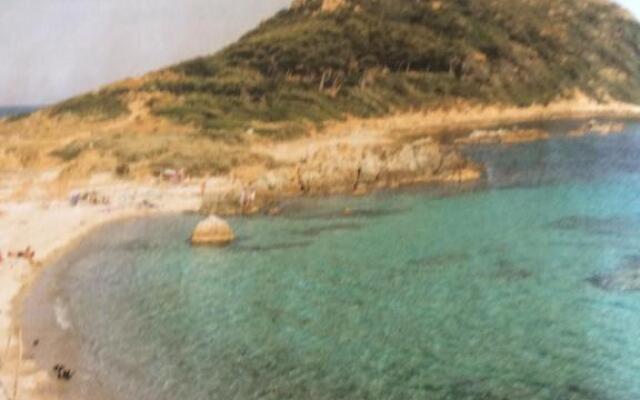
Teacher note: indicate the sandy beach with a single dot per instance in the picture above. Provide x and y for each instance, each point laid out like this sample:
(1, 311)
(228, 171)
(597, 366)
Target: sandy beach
(49, 227)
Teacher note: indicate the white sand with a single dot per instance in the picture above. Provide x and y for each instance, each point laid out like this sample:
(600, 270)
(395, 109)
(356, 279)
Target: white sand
(50, 227)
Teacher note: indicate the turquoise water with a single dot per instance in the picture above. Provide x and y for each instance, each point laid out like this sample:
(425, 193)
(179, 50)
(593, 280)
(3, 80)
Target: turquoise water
(494, 293)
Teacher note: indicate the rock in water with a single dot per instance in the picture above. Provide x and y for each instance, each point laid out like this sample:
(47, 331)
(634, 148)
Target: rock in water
(624, 279)
(212, 231)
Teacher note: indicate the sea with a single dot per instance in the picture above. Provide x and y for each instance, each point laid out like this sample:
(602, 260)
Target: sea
(524, 286)
(10, 111)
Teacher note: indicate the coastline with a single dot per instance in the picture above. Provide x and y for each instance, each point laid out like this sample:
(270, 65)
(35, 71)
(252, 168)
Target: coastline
(442, 121)
(50, 231)
(51, 227)
(359, 156)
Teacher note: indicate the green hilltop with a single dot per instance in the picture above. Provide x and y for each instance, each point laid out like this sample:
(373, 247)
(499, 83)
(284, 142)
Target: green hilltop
(325, 60)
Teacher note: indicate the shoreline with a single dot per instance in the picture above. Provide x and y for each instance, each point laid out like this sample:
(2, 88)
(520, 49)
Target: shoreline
(51, 228)
(442, 121)
(36, 310)
(67, 226)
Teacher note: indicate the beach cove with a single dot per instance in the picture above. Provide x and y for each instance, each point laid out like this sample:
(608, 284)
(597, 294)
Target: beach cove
(36, 378)
(320, 199)
(50, 227)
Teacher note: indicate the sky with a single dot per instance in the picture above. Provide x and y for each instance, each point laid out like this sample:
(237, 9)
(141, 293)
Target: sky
(633, 5)
(53, 49)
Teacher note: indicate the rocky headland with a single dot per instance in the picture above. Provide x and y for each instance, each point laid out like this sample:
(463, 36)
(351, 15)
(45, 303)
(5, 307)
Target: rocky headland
(343, 167)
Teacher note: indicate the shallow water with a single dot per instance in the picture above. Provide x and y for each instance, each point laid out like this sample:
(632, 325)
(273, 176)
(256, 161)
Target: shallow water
(489, 294)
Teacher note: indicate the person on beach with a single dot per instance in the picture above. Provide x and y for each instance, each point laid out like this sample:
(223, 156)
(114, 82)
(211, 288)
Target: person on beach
(28, 254)
(243, 198)
(74, 199)
(62, 372)
(203, 187)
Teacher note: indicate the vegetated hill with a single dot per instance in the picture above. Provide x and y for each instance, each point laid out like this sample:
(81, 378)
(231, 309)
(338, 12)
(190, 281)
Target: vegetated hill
(322, 60)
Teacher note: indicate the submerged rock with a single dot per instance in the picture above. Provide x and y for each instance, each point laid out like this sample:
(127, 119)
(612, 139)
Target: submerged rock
(624, 279)
(212, 231)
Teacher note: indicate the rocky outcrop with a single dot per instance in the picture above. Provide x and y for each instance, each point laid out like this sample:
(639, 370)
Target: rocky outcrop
(346, 168)
(212, 231)
(327, 5)
(331, 5)
(417, 162)
(352, 168)
(504, 136)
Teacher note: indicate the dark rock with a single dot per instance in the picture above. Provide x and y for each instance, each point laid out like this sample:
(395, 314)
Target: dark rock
(623, 279)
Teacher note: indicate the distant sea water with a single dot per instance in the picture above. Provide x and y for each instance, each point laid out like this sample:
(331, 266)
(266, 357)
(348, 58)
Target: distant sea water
(6, 111)
(522, 288)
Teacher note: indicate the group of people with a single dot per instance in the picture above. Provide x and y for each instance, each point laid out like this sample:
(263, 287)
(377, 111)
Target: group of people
(27, 254)
(62, 372)
(175, 176)
(92, 197)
